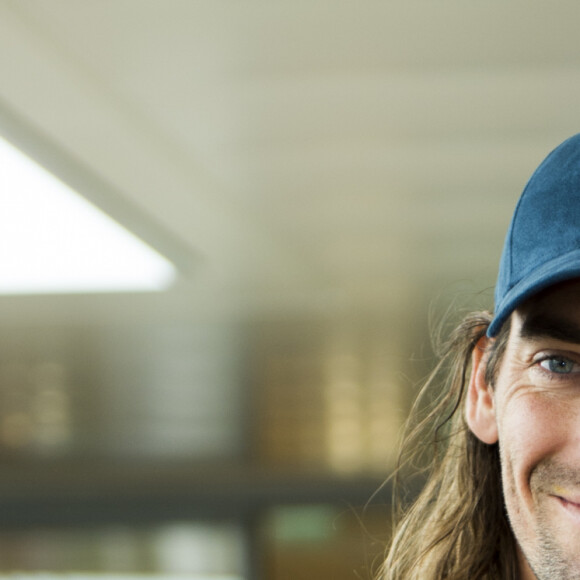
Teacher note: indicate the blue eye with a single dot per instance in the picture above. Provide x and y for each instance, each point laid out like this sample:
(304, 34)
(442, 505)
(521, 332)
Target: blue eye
(558, 364)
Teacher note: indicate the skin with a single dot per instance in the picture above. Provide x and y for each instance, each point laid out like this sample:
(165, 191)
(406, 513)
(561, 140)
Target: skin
(533, 412)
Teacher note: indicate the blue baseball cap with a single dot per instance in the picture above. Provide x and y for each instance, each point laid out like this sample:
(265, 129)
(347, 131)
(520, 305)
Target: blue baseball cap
(542, 246)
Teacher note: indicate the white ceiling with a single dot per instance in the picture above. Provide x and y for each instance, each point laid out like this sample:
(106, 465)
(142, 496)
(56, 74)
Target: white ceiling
(324, 156)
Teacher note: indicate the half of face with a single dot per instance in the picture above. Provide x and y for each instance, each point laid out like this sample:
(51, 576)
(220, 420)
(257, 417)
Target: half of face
(533, 413)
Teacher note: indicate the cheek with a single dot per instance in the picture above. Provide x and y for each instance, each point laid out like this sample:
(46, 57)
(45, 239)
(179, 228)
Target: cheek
(531, 428)
(529, 433)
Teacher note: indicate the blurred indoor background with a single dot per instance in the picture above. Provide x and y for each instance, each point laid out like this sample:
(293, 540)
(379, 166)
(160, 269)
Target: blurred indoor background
(325, 180)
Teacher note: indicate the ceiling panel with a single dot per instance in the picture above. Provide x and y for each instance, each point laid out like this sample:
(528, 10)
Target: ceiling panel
(302, 149)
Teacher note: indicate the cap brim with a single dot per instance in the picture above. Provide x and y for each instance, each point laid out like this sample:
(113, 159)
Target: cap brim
(561, 269)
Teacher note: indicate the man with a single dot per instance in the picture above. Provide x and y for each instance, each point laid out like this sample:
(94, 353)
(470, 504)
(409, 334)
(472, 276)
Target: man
(502, 498)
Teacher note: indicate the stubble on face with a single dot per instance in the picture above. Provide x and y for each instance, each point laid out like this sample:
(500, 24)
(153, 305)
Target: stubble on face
(550, 561)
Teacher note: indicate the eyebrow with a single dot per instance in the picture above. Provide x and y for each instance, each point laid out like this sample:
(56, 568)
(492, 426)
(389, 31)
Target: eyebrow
(549, 326)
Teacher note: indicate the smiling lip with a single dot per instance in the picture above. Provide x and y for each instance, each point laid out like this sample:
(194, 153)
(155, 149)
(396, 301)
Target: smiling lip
(572, 507)
(568, 501)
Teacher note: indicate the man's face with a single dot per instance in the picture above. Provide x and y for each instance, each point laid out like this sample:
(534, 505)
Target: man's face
(536, 401)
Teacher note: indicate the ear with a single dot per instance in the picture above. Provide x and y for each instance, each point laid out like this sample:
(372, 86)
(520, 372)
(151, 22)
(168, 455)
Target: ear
(479, 404)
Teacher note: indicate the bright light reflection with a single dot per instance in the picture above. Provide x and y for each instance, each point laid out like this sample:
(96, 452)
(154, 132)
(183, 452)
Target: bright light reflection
(52, 240)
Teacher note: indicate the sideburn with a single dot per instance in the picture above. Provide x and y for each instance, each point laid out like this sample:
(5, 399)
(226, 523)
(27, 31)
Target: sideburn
(496, 352)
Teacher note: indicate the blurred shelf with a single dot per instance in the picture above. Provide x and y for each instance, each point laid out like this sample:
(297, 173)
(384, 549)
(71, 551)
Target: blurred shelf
(64, 493)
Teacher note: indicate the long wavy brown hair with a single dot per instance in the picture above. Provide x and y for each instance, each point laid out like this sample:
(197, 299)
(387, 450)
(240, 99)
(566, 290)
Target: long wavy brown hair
(457, 528)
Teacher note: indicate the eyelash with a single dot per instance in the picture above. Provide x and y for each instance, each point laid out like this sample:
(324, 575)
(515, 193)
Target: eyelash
(558, 358)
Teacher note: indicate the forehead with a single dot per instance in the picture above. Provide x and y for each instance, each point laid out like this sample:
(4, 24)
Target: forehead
(559, 304)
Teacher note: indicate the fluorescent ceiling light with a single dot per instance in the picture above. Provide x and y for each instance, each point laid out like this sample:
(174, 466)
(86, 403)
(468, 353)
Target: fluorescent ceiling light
(54, 241)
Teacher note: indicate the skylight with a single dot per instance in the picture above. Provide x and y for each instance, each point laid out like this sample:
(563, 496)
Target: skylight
(54, 241)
